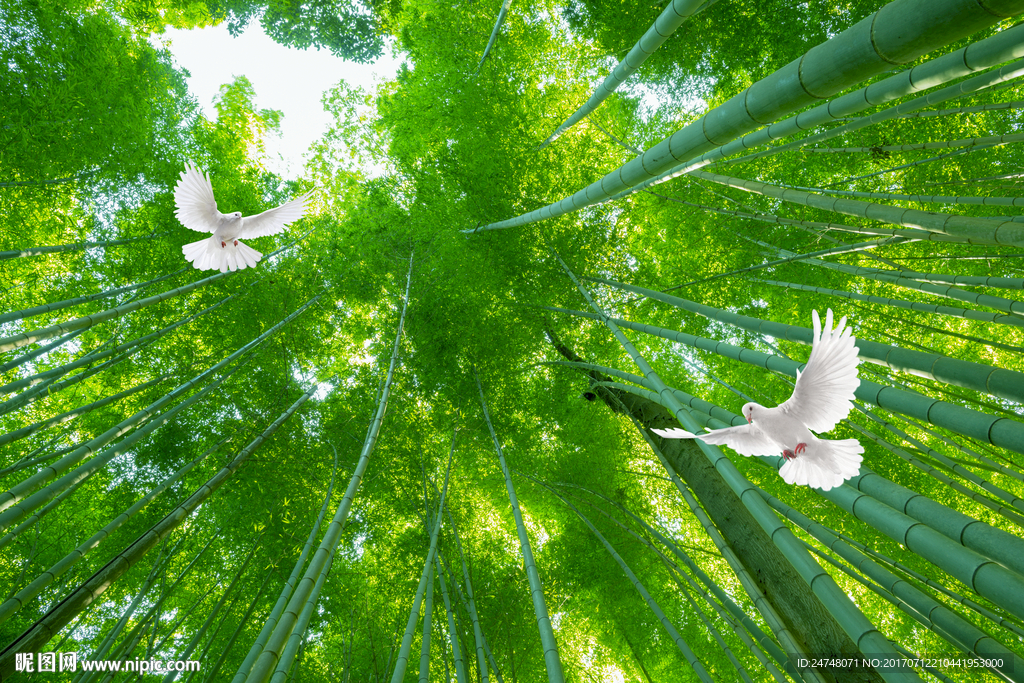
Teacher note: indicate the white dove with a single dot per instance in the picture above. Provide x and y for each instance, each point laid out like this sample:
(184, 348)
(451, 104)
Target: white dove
(822, 397)
(197, 210)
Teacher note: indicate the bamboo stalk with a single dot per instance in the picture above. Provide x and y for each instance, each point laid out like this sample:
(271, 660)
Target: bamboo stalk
(999, 431)
(60, 614)
(56, 306)
(20, 490)
(402, 660)
(728, 610)
(267, 660)
(17, 340)
(999, 303)
(242, 623)
(453, 636)
(23, 505)
(547, 635)
(675, 14)
(286, 592)
(428, 611)
(20, 599)
(981, 55)
(494, 33)
(21, 360)
(72, 414)
(201, 632)
(896, 34)
(96, 354)
(934, 615)
(695, 663)
(962, 313)
(999, 382)
(36, 251)
(859, 629)
(974, 230)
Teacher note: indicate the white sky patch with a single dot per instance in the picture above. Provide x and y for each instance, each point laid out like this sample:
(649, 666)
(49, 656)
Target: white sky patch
(322, 390)
(286, 79)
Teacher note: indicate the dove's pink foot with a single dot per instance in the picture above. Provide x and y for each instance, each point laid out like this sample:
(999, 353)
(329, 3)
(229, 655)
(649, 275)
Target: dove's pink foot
(800, 448)
(788, 454)
(236, 243)
(223, 244)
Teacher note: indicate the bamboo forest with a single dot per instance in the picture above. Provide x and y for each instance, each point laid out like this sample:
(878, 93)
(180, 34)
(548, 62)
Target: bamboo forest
(417, 440)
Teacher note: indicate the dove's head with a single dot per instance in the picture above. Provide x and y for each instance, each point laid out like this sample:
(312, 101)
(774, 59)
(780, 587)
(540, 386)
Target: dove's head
(236, 216)
(751, 411)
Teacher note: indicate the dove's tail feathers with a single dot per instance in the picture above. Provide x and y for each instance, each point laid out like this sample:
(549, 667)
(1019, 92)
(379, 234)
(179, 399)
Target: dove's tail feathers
(825, 464)
(208, 254)
(675, 433)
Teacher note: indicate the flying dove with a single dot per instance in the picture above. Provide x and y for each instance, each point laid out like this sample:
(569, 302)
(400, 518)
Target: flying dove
(197, 210)
(822, 397)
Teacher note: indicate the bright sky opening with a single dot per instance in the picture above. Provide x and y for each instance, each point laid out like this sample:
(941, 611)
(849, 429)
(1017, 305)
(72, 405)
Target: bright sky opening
(286, 79)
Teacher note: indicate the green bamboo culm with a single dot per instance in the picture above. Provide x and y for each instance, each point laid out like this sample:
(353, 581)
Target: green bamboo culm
(266, 662)
(540, 608)
(969, 280)
(19, 504)
(428, 612)
(1008, 384)
(242, 623)
(695, 663)
(158, 566)
(972, 229)
(77, 246)
(748, 631)
(200, 633)
(952, 466)
(17, 340)
(494, 33)
(975, 200)
(297, 640)
(20, 490)
(998, 431)
(971, 534)
(859, 629)
(997, 302)
(898, 33)
(1001, 47)
(453, 635)
(286, 592)
(35, 353)
(936, 616)
(20, 599)
(790, 645)
(45, 382)
(469, 602)
(961, 545)
(951, 311)
(52, 386)
(986, 53)
(92, 588)
(402, 661)
(916, 146)
(72, 414)
(672, 17)
(56, 306)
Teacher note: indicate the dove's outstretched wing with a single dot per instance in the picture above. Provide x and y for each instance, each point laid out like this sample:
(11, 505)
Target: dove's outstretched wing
(825, 389)
(273, 221)
(193, 195)
(743, 439)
